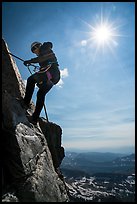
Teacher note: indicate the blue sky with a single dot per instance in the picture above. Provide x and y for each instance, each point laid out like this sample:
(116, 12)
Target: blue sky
(94, 102)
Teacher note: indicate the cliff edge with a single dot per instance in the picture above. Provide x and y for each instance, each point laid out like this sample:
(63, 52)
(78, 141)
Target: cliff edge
(30, 153)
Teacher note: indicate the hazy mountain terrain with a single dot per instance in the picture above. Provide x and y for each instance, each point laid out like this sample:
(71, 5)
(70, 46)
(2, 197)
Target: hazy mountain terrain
(100, 177)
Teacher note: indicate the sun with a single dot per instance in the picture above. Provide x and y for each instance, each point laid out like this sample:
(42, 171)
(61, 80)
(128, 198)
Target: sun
(103, 34)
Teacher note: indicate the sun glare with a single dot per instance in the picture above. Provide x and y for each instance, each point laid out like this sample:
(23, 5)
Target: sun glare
(102, 34)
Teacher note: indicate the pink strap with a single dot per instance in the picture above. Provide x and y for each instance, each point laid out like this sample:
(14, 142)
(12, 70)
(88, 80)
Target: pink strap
(49, 75)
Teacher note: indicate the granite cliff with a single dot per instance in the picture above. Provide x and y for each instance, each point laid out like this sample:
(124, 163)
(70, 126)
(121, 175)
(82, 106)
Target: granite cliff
(29, 153)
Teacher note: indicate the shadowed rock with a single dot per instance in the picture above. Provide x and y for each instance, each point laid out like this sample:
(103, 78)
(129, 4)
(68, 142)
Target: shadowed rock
(29, 156)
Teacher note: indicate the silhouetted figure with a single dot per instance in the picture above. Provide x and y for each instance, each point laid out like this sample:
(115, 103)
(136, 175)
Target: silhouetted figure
(47, 76)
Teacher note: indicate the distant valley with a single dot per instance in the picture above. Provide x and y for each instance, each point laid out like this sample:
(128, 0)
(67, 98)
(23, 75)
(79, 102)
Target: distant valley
(100, 177)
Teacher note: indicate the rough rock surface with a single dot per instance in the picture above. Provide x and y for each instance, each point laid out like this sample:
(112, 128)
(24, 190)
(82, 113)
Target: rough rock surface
(30, 152)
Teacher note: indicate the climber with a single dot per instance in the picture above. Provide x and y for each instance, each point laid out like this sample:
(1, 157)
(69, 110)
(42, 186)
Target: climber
(47, 76)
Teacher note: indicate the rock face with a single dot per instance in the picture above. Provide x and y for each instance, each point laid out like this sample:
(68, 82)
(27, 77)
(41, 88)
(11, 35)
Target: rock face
(30, 153)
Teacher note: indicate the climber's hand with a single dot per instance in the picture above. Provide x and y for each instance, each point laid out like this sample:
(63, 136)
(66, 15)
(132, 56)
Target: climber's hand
(27, 62)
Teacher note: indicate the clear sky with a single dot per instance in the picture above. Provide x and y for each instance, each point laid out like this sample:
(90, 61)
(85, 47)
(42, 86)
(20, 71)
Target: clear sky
(94, 102)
